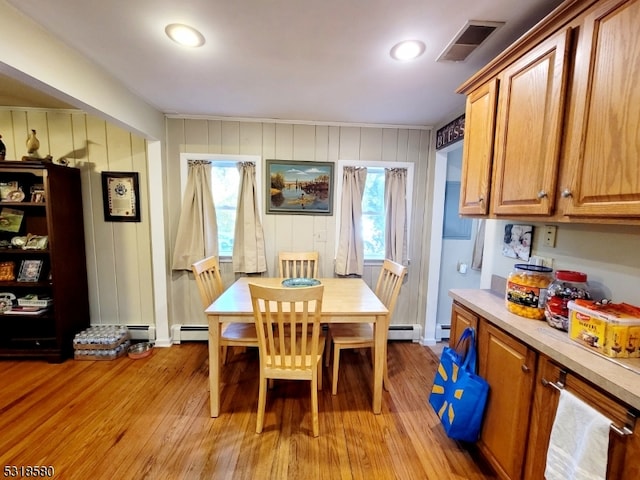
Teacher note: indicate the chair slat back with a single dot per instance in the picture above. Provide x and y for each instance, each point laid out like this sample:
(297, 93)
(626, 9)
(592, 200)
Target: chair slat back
(283, 317)
(389, 283)
(208, 279)
(298, 264)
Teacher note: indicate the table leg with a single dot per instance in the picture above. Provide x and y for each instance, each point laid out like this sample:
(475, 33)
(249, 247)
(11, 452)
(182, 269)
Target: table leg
(380, 334)
(214, 365)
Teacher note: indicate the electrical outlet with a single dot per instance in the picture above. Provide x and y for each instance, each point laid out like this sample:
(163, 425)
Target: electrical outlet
(541, 261)
(550, 235)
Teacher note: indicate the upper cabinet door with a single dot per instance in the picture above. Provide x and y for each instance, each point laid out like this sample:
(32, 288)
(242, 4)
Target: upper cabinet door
(604, 139)
(478, 149)
(528, 131)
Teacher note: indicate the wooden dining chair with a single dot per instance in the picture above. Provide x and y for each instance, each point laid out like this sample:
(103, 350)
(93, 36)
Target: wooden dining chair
(360, 335)
(298, 264)
(210, 286)
(288, 356)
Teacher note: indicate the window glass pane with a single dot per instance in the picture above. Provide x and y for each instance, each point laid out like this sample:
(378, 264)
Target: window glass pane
(225, 180)
(373, 214)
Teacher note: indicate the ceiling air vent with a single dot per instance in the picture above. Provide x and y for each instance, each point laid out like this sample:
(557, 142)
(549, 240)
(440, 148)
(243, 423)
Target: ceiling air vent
(467, 40)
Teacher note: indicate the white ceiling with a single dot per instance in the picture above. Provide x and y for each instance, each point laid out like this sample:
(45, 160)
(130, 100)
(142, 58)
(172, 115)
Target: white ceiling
(305, 60)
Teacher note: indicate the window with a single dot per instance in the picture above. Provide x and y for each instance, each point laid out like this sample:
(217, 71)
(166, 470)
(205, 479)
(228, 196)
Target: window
(225, 182)
(373, 215)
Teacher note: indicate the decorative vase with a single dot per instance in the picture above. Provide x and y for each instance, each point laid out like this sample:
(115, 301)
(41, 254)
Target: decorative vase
(33, 144)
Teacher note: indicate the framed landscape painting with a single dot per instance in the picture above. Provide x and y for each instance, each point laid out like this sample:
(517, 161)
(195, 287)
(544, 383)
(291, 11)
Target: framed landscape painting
(299, 188)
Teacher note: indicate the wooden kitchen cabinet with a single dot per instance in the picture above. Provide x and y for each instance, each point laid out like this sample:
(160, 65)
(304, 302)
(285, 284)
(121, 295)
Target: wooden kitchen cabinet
(480, 116)
(509, 367)
(523, 397)
(565, 146)
(461, 318)
(529, 128)
(624, 450)
(602, 161)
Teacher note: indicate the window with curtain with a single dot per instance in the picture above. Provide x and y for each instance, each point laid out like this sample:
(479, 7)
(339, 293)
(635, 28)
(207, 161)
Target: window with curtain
(225, 179)
(374, 216)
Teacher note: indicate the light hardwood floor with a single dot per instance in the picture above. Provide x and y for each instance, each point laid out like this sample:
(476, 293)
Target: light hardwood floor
(149, 419)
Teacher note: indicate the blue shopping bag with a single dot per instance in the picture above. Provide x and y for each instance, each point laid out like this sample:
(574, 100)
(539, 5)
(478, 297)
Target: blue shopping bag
(459, 395)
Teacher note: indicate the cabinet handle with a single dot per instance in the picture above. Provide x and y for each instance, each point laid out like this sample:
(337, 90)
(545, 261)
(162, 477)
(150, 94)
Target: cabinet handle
(558, 386)
(566, 193)
(542, 194)
(481, 200)
(524, 368)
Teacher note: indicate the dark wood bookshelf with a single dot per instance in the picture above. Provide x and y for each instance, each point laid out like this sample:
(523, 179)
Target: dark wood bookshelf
(63, 274)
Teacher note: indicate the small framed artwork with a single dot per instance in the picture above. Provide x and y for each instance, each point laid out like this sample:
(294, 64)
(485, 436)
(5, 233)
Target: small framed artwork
(121, 196)
(7, 271)
(10, 219)
(30, 271)
(517, 241)
(37, 193)
(299, 187)
(6, 188)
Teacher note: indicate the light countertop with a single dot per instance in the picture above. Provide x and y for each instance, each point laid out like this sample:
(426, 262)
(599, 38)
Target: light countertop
(619, 377)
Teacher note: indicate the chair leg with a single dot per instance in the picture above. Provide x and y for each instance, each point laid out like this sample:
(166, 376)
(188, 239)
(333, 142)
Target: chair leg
(336, 365)
(314, 405)
(225, 350)
(327, 352)
(385, 371)
(262, 402)
(385, 376)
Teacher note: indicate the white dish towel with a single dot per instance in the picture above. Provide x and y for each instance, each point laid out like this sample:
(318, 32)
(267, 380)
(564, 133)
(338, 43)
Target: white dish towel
(579, 441)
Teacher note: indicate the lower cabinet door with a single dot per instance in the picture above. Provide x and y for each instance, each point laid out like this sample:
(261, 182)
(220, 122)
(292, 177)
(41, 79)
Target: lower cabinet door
(624, 444)
(461, 318)
(509, 367)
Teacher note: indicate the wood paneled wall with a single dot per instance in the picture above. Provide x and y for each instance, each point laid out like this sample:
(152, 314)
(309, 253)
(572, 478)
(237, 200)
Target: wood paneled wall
(306, 142)
(118, 253)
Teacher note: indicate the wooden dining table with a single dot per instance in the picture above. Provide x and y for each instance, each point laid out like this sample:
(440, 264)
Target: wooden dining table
(345, 300)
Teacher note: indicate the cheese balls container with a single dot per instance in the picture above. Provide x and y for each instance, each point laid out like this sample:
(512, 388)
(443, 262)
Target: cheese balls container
(526, 292)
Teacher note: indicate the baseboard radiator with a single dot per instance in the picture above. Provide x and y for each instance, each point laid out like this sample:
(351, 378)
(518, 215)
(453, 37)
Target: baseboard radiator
(142, 332)
(443, 332)
(405, 332)
(189, 333)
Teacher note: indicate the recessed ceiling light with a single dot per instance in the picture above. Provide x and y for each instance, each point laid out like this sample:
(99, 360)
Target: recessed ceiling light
(184, 35)
(407, 50)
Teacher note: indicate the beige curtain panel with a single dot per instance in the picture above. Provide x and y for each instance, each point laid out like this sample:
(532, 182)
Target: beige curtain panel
(198, 228)
(248, 245)
(350, 255)
(395, 206)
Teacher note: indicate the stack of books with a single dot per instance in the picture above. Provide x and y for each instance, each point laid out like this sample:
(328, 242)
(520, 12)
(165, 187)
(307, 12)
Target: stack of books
(19, 310)
(31, 305)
